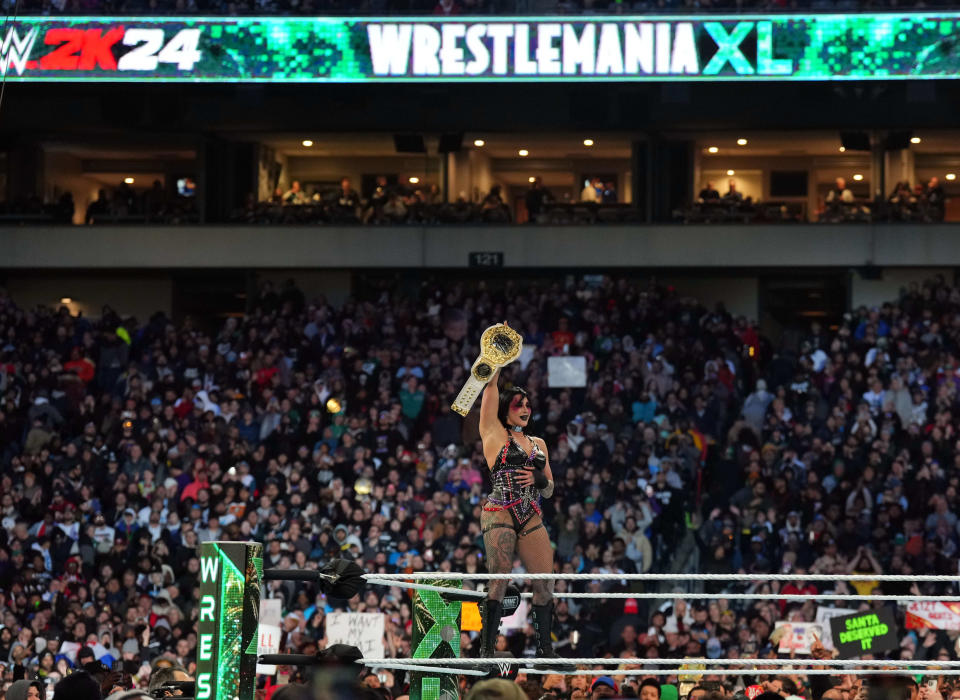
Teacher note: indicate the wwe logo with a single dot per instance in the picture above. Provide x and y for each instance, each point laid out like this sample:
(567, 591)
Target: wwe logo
(504, 668)
(15, 50)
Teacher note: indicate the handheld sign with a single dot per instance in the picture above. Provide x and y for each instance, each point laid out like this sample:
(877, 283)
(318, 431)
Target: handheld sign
(362, 630)
(872, 632)
(795, 636)
(824, 615)
(937, 616)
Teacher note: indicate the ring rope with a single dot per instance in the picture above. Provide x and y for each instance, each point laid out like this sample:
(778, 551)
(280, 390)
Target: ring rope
(718, 672)
(760, 596)
(764, 578)
(466, 592)
(692, 596)
(427, 669)
(604, 661)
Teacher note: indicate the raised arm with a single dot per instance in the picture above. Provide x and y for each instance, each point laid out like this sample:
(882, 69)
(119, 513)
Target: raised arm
(877, 569)
(489, 403)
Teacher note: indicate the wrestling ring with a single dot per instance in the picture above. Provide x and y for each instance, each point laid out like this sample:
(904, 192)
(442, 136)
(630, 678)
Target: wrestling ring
(592, 666)
(232, 575)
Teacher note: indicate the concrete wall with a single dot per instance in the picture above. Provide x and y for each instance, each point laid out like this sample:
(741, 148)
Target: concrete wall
(266, 164)
(865, 292)
(482, 175)
(470, 175)
(142, 295)
(128, 295)
(335, 285)
(741, 295)
(64, 173)
(332, 247)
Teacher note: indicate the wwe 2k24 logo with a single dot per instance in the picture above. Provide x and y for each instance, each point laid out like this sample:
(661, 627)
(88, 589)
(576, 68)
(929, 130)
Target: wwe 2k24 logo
(101, 49)
(15, 50)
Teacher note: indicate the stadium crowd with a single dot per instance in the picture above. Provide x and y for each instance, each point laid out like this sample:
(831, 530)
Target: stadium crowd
(400, 204)
(920, 203)
(696, 444)
(121, 205)
(395, 204)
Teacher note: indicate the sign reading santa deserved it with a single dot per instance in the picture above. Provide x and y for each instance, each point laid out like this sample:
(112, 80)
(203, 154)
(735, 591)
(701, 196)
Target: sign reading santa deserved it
(872, 632)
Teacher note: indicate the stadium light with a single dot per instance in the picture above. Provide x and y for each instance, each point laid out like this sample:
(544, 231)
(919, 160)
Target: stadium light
(712, 149)
(731, 172)
(741, 142)
(523, 153)
(951, 176)
(842, 149)
(858, 177)
(588, 142)
(307, 143)
(129, 180)
(531, 179)
(414, 180)
(479, 143)
(915, 139)
(66, 300)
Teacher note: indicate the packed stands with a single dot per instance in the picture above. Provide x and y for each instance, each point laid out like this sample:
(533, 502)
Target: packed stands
(326, 432)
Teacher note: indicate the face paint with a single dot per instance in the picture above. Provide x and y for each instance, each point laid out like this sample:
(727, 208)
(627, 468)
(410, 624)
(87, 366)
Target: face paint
(519, 411)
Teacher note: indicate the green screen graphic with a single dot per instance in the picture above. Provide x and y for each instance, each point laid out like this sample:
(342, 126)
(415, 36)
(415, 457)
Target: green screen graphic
(231, 622)
(435, 635)
(642, 48)
(230, 574)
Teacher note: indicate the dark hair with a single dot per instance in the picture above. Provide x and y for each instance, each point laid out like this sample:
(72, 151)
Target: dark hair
(506, 398)
(293, 691)
(649, 682)
(79, 685)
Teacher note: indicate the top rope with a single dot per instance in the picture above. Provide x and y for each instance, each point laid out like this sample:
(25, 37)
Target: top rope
(604, 661)
(759, 578)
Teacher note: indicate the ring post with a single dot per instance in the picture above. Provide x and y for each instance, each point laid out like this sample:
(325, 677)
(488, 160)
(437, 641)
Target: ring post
(435, 635)
(230, 575)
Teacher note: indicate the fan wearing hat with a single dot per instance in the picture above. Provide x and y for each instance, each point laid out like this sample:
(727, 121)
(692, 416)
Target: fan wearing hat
(606, 687)
(25, 690)
(162, 605)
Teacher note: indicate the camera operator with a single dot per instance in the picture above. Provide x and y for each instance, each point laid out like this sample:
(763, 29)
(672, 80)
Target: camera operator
(165, 676)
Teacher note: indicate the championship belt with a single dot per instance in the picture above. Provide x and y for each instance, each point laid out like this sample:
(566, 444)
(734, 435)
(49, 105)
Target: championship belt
(499, 346)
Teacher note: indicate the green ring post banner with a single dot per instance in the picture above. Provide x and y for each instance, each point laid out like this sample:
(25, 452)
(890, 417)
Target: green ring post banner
(435, 635)
(230, 574)
(781, 47)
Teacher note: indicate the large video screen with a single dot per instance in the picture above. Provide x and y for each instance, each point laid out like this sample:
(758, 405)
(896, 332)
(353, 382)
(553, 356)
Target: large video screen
(642, 48)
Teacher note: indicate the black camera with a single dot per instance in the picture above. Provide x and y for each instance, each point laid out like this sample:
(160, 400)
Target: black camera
(183, 690)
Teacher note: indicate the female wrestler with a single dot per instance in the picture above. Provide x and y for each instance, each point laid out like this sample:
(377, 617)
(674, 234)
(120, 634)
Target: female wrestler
(512, 520)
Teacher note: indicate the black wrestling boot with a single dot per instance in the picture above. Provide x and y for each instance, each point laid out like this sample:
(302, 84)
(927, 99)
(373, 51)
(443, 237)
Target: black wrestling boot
(543, 624)
(490, 613)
